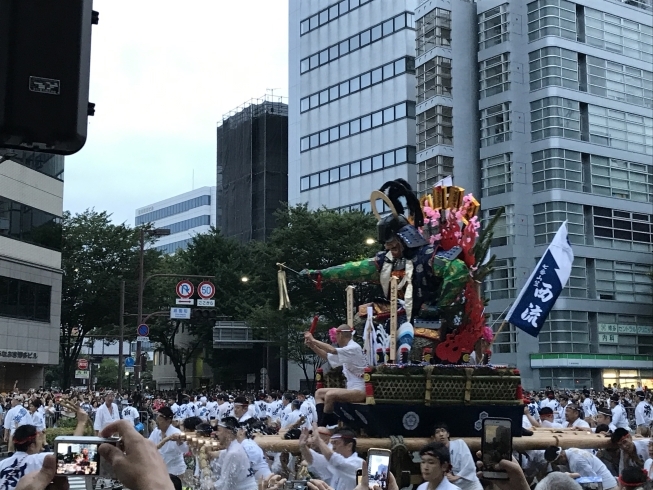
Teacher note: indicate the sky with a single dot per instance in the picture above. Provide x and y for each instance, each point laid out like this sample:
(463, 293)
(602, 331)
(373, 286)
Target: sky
(162, 76)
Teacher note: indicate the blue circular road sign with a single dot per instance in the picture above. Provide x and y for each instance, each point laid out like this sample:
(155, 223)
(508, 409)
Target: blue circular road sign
(129, 362)
(143, 330)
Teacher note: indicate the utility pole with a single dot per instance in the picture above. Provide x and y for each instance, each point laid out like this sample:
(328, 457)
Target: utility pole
(122, 335)
(141, 285)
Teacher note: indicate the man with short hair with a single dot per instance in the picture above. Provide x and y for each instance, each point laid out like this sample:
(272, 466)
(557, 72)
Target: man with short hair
(129, 412)
(572, 416)
(14, 418)
(225, 407)
(233, 468)
(463, 471)
(169, 443)
(643, 415)
(619, 417)
(241, 410)
(350, 356)
(434, 467)
(307, 409)
(588, 404)
(604, 417)
(293, 419)
(560, 413)
(106, 414)
(547, 419)
(339, 461)
(580, 463)
(633, 452)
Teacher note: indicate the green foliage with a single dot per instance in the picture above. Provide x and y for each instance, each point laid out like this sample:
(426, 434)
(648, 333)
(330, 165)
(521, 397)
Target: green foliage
(107, 374)
(53, 432)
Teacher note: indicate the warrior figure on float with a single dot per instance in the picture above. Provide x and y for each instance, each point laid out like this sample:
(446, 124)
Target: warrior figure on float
(429, 248)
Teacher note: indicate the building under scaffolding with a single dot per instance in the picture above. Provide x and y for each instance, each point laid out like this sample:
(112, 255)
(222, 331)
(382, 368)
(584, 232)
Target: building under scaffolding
(252, 168)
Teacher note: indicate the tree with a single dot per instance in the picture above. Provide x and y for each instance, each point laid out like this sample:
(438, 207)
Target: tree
(107, 374)
(96, 256)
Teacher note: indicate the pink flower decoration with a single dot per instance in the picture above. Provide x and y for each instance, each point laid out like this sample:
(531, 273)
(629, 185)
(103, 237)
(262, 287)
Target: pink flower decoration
(332, 334)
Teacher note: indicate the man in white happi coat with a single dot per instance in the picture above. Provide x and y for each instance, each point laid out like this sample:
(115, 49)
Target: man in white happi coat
(463, 471)
(233, 468)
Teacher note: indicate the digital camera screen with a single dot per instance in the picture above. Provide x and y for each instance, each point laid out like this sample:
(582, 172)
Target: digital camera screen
(77, 459)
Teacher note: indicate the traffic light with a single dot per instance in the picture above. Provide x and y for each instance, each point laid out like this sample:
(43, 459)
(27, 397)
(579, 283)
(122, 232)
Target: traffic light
(204, 314)
(45, 60)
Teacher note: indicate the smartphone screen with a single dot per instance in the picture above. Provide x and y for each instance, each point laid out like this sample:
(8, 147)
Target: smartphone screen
(378, 466)
(496, 445)
(77, 459)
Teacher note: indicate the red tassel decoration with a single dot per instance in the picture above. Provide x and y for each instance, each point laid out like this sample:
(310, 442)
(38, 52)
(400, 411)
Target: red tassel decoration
(313, 325)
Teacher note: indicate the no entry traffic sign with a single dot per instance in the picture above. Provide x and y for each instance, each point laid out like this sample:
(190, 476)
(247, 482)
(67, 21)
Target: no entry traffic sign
(206, 290)
(82, 364)
(185, 289)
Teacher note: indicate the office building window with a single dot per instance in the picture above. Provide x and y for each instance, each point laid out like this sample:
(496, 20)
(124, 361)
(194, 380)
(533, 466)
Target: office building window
(45, 163)
(357, 168)
(497, 174)
(434, 78)
(619, 82)
(495, 75)
(173, 209)
(505, 341)
(171, 248)
(622, 230)
(556, 168)
(553, 66)
(565, 331)
(434, 29)
(625, 334)
(188, 224)
(551, 18)
(623, 281)
(504, 227)
(500, 283)
(565, 378)
(358, 41)
(620, 178)
(576, 286)
(28, 224)
(493, 27)
(332, 12)
(435, 127)
(549, 216)
(355, 84)
(431, 171)
(24, 299)
(620, 130)
(555, 116)
(618, 35)
(364, 123)
(495, 124)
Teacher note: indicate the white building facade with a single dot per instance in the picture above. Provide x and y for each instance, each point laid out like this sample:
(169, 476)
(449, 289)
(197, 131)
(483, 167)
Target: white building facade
(185, 215)
(31, 207)
(351, 124)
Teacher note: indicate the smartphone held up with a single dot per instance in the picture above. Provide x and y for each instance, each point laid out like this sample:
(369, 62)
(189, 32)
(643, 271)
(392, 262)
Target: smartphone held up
(378, 467)
(496, 444)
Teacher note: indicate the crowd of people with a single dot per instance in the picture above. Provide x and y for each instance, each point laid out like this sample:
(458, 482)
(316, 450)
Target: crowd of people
(155, 427)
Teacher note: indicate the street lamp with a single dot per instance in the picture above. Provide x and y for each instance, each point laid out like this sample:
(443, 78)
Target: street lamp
(370, 241)
(244, 279)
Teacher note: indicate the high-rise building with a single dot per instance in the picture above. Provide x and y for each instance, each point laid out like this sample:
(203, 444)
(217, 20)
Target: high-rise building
(447, 122)
(252, 167)
(351, 100)
(565, 108)
(31, 207)
(185, 215)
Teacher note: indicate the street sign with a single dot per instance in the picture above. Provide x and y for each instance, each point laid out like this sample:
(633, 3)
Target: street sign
(180, 313)
(81, 374)
(129, 362)
(143, 330)
(205, 302)
(206, 290)
(185, 289)
(82, 364)
(142, 339)
(129, 369)
(186, 301)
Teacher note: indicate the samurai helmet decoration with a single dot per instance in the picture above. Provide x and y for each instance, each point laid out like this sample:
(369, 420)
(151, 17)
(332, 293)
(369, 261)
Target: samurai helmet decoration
(397, 225)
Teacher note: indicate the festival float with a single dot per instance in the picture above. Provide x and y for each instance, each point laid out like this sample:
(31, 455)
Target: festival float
(427, 342)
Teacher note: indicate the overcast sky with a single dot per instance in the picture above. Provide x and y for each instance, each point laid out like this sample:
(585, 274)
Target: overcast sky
(162, 76)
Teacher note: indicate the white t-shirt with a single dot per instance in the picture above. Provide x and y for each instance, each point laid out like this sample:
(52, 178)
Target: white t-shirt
(226, 409)
(130, 413)
(103, 417)
(234, 469)
(16, 417)
(17, 466)
(588, 407)
(578, 423)
(37, 421)
(463, 465)
(172, 453)
(643, 413)
(290, 419)
(257, 459)
(353, 363)
(619, 418)
(551, 425)
(444, 485)
(586, 464)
